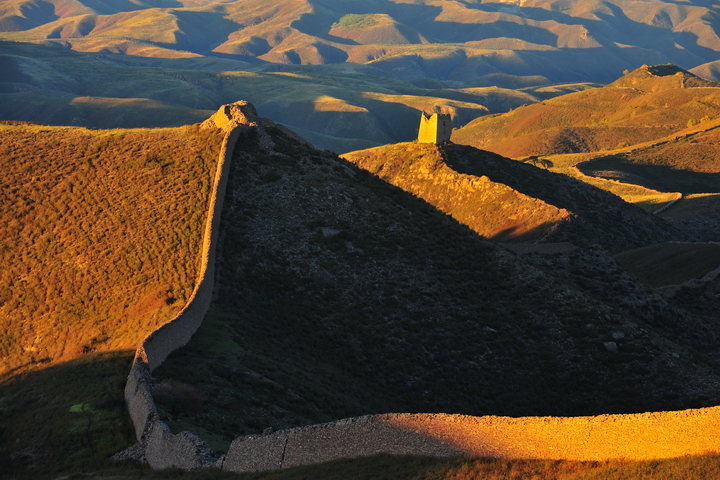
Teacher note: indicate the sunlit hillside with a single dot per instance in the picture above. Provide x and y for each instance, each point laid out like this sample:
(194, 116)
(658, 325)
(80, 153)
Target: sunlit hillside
(492, 209)
(505, 200)
(647, 104)
(688, 164)
(98, 234)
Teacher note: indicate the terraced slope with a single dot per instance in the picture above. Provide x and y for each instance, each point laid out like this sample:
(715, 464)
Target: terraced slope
(646, 104)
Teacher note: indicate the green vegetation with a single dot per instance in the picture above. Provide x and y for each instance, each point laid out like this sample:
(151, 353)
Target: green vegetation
(354, 21)
(66, 417)
(670, 263)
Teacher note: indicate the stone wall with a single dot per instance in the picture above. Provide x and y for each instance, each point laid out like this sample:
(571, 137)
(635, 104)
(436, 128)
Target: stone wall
(161, 448)
(642, 436)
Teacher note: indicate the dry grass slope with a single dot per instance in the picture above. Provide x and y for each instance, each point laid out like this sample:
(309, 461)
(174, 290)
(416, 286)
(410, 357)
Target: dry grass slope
(96, 230)
(647, 104)
(491, 209)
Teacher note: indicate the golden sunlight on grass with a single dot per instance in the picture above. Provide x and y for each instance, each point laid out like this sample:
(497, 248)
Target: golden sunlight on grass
(98, 230)
(492, 209)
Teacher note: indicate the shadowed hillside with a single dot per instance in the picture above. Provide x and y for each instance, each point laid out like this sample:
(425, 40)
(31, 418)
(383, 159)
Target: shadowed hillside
(647, 104)
(687, 164)
(342, 295)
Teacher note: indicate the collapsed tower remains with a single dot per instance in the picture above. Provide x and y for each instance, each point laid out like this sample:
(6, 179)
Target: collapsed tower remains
(435, 128)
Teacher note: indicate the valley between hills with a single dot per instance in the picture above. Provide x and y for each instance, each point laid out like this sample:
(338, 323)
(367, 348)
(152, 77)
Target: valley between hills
(558, 258)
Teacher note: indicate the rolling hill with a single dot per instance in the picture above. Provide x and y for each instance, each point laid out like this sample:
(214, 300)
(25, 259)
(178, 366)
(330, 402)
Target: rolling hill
(649, 103)
(338, 295)
(342, 295)
(589, 40)
(355, 61)
(509, 201)
(339, 107)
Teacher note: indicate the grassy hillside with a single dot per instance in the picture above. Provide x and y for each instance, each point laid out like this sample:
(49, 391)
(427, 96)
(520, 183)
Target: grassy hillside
(647, 104)
(493, 210)
(92, 235)
(506, 200)
(99, 232)
(338, 295)
(688, 164)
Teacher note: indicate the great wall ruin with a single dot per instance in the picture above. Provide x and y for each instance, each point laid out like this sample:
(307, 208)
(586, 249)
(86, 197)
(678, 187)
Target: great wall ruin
(631, 437)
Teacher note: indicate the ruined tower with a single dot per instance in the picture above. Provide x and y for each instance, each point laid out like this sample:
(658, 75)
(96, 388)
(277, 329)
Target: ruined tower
(435, 128)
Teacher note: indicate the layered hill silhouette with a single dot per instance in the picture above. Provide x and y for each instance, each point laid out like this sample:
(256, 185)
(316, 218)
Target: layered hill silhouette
(342, 108)
(347, 75)
(649, 103)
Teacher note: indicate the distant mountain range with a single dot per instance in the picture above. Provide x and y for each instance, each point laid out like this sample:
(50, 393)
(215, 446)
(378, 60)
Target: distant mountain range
(562, 41)
(345, 74)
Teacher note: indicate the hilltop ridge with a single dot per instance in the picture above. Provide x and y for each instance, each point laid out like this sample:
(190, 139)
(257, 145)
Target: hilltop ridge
(509, 201)
(646, 104)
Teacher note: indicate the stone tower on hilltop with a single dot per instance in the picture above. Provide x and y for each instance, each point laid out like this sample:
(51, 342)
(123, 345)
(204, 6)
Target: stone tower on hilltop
(435, 128)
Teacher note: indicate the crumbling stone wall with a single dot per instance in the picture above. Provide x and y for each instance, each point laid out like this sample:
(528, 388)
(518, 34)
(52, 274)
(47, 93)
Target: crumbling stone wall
(642, 436)
(161, 448)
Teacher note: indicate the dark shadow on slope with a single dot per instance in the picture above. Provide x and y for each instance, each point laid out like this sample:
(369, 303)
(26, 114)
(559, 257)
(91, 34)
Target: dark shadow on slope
(202, 32)
(340, 295)
(67, 417)
(601, 216)
(661, 177)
